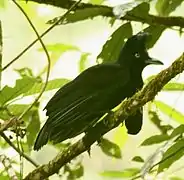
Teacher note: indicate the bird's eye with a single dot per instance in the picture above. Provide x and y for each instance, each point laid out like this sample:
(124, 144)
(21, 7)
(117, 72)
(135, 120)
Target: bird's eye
(137, 55)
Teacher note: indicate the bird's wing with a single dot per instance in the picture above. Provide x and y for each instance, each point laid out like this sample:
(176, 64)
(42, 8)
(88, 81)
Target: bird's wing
(87, 94)
(80, 103)
(94, 80)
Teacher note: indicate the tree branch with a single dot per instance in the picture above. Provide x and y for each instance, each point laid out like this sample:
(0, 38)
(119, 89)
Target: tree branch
(107, 11)
(65, 3)
(111, 121)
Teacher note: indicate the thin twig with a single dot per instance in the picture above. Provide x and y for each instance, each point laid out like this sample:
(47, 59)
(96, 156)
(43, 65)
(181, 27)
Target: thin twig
(19, 147)
(44, 33)
(167, 157)
(159, 162)
(8, 123)
(48, 59)
(16, 149)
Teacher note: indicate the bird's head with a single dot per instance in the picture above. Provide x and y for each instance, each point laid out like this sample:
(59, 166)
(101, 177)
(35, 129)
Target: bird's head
(134, 52)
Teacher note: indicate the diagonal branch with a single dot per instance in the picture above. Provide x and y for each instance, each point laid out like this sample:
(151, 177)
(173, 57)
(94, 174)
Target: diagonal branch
(107, 11)
(109, 122)
(64, 3)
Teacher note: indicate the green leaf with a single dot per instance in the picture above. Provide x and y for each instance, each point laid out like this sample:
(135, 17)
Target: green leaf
(142, 10)
(96, 1)
(174, 153)
(30, 9)
(4, 114)
(175, 178)
(155, 119)
(76, 172)
(4, 177)
(177, 131)
(32, 128)
(165, 7)
(17, 109)
(130, 172)
(12, 110)
(25, 72)
(112, 47)
(138, 159)
(110, 148)
(52, 84)
(83, 14)
(170, 111)
(82, 63)
(56, 51)
(59, 47)
(2, 4)
(173, 87)
(21, 87)
(120, 136)
(155, 31)
(155, 139)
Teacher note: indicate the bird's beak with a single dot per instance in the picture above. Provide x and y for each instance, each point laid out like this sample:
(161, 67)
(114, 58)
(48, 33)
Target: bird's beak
(154, 61)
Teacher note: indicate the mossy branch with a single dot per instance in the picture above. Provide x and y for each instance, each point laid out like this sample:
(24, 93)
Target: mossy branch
(109, 122)
(107, 11)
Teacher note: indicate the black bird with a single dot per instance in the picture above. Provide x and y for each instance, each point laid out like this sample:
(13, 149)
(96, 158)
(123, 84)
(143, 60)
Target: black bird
(79, 104)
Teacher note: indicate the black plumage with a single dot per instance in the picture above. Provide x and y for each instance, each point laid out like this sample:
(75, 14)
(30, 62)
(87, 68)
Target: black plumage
(79, 104)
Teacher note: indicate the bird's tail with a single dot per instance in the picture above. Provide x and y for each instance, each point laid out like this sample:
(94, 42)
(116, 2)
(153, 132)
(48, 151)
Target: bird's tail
(42, 137)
